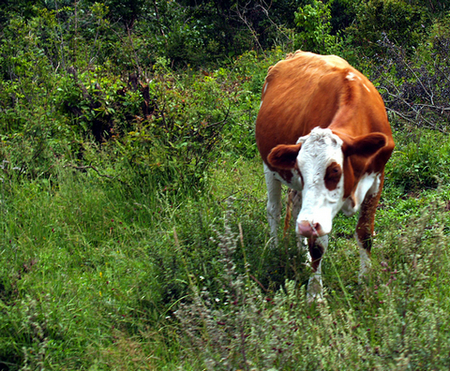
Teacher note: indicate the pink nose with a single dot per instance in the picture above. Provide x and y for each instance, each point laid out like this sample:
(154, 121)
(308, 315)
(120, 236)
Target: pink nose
(307, 229)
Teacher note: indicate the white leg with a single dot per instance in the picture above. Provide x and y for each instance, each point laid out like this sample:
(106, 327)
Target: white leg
(302, 245)
(273, 202)
(302, 242)
(314, 292)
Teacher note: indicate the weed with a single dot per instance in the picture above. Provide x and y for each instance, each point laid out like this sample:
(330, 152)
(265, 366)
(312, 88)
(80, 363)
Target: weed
(233, 331)
(396, 323)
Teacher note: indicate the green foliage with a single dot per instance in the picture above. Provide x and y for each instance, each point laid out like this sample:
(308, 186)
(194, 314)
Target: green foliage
(52, 302)
(314, 22)
(420, 160)
(175, 35)
(93, 269)
(389, 321)
(343, 13)
(126, 12)
(124, 126)
(416, 88)
(187, 122)
(230, 28)
(398, 20)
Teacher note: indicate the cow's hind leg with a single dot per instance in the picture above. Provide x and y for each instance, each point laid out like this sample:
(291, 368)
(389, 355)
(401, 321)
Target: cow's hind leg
(273, 202)
(317, 247)
(365, 226)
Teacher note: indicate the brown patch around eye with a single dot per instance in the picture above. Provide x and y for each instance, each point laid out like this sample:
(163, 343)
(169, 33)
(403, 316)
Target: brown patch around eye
(332, 176)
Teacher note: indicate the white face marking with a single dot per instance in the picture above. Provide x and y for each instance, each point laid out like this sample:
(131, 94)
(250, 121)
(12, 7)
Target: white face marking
(319, 206)
(366, 87)
(265, 87)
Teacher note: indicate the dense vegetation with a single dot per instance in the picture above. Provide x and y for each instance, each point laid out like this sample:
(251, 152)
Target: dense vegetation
(133, 233)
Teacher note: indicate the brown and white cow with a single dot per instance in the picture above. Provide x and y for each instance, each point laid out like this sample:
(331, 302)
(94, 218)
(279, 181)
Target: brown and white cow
(322, 130)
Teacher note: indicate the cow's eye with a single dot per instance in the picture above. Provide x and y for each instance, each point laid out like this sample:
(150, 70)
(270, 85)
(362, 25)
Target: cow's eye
(332, 176)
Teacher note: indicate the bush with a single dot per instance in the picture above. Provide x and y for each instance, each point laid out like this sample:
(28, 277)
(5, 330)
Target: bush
(401, 21)
(314, 22)
(415, 89)
(419, 160)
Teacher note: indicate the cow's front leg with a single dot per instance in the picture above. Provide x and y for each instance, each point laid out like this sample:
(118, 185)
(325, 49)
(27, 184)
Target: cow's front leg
(273, 202)
(317, 248)
(365, 226)
(302, 241)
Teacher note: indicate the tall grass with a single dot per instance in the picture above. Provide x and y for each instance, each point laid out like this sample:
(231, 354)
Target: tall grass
(98, 274)
(81, 259)
(122, 252)
(398, 321)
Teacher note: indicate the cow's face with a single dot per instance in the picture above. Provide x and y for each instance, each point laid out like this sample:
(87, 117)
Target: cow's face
(319, 165)
(318, 160)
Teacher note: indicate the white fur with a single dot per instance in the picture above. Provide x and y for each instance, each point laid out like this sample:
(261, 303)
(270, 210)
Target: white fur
(318, 151)
(273, 201)
(350, 76)
(369, 184)
(314, 291)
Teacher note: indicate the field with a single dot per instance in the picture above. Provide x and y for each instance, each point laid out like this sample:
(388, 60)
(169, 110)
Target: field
(98, 274)
(133, 230)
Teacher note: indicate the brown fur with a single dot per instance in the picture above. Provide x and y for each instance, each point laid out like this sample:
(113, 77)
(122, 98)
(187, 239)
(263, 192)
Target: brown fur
(307, 90)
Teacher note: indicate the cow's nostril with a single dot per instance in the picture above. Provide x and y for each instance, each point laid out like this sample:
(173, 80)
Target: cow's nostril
(305, 228)
(308, 229)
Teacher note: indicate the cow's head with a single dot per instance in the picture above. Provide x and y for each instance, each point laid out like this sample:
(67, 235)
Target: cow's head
(321, 161)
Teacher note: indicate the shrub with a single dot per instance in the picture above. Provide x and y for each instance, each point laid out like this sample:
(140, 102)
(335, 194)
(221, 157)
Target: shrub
(402, 22)
(314, 22)
(234, 329)
(416, 89)
(419, 160)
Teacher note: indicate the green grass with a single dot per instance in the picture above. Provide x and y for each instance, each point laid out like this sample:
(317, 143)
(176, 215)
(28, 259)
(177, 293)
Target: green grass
(93, 271)
(129, 254)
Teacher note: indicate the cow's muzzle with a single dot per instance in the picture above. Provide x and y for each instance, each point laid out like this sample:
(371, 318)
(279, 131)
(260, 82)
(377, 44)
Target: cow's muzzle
(309, 229)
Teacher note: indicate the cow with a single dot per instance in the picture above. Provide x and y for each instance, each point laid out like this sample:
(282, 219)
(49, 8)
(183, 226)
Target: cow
(323, 131)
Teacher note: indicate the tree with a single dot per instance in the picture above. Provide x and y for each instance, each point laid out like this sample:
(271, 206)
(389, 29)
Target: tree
(400, 21)
(314, 22)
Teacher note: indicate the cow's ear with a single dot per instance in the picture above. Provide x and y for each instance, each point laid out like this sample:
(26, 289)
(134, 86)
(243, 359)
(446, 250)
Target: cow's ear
(284, 156)
(364, 145)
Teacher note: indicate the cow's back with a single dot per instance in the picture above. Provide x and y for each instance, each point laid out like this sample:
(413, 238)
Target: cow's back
(307, 90)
